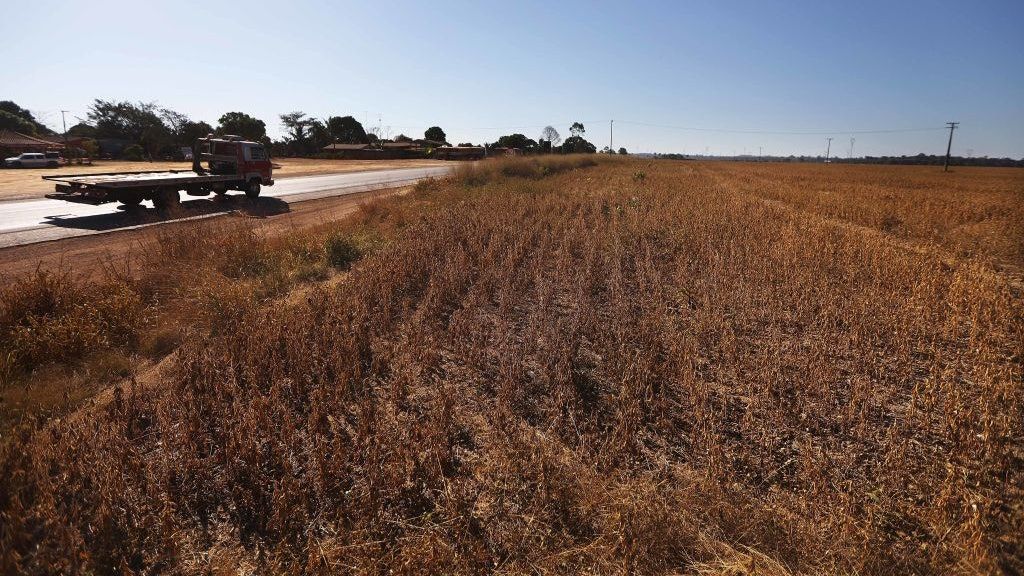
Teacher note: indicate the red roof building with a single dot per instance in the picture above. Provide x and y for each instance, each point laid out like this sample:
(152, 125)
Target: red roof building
(12, 142)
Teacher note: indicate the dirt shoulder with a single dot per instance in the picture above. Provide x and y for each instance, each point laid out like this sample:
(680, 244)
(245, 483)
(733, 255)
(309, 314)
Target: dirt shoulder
(20, 184)
(88, 254)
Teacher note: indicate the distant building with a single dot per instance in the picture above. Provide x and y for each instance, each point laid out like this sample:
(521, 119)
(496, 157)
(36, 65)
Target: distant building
(340, 147)
(13, 143)
(459, 153)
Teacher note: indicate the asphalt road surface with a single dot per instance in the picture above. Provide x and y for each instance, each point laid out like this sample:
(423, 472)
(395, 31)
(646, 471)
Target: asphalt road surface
(28, 221)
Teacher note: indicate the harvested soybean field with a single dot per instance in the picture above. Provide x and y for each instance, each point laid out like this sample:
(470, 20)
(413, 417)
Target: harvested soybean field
(553, 365)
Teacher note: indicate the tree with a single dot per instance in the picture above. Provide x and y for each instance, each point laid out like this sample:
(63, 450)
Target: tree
(298, 126)
(82, 130)
(346, 130)
(184, 131)
(577, 145)
(241, 124)
(577, 129)
(190, 131)
(436, 134)
(173, 120)
(402, 138)
(517, 141)
(551, 135)
(16, 123)
(318, 136)
(139, 123)
(466, 145)
(133, 152)
(623, 151)
(15, 110)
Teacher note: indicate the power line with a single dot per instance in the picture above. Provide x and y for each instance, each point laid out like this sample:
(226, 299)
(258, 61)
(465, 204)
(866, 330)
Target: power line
(807, 132)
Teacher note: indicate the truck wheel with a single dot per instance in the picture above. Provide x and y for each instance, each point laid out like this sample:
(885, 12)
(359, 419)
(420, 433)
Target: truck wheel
(252, 189)
(166, 199)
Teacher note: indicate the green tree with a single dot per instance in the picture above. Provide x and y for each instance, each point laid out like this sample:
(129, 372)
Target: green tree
(184, 131)
(133, 152)
(577, 145)
(16, 123)
(346, 130)
(82, 130)
(190, 131)
(517, 141)
(436, 134)
(623, 151)
(577, 129)
(13, 109)
(318, 136)
(139, 123)
(297, 124)
(241, 124)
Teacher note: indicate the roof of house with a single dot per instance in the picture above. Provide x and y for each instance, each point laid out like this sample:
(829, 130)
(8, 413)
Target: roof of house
(346, 147)
(12, 139)
(400, 145)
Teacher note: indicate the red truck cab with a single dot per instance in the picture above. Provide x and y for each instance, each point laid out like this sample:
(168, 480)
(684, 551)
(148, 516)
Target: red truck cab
(247, 160)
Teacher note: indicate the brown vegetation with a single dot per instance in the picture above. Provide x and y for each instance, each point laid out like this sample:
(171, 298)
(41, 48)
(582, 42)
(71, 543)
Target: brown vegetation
(636, 367)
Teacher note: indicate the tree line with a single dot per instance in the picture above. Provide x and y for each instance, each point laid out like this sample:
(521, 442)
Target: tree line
(136, 130)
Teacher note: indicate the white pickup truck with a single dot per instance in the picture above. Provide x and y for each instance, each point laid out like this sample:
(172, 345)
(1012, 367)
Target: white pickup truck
(33, 160)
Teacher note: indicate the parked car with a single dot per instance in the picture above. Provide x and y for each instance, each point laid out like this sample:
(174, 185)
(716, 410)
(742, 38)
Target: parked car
(31, 160)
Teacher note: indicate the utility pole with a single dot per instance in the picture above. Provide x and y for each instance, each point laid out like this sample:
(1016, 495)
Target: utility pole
(852, 140)
(65, 124)
(828, 149)
(949, 147)
(611, 136)
(759, 153)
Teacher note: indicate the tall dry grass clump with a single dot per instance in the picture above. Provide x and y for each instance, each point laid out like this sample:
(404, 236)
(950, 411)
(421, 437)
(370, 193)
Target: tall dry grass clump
(530, 167)
(585, 373)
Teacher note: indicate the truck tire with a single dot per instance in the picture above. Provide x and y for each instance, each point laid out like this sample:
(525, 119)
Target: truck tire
(131, 201)
(252, 189)
(166, 199)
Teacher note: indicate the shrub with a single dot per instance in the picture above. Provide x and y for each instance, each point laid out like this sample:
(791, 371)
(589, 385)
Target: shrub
(133, 152)
(341, 250)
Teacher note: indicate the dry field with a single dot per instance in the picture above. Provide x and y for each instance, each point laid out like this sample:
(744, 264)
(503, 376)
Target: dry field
(634, 367)
(27, 183)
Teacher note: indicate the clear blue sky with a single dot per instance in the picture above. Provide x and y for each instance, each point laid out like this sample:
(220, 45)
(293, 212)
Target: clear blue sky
(482, 69)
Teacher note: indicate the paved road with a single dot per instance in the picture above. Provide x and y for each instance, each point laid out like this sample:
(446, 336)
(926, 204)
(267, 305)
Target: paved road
(28, 221)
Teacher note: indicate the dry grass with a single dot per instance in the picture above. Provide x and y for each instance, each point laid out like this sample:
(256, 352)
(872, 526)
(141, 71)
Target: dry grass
(16, 184)
(590, 371)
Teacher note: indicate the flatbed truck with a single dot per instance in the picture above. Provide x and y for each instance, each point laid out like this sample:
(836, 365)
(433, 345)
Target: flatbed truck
(231, 164)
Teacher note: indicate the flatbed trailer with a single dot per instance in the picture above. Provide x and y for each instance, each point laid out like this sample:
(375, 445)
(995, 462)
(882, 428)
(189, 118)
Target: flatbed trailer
(233, 165)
